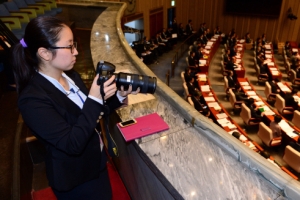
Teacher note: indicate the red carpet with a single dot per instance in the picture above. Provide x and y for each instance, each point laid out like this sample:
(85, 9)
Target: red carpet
(118, 189)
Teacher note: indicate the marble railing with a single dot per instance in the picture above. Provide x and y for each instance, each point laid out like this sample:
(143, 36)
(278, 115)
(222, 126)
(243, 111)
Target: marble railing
(196, 156)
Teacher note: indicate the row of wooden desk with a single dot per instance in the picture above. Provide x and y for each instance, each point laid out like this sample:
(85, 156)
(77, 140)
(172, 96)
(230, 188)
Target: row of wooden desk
(240, 70)
(289, 132)
(209, 51)
(270, 61)
(222, 117)
(220, 114)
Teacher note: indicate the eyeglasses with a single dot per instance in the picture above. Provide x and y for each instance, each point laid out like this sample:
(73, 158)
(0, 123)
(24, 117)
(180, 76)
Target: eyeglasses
(71, 47)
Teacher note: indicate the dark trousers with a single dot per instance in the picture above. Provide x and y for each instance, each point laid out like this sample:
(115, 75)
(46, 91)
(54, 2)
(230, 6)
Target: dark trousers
(95, 189)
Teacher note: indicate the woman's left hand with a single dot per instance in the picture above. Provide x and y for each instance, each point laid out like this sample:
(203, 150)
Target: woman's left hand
(124, 93)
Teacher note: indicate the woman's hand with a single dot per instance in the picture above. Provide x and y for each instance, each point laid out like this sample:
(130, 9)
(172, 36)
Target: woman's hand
(129, 91)
(110, 88)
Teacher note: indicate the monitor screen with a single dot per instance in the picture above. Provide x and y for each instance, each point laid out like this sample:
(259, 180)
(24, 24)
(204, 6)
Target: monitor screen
(261, 8)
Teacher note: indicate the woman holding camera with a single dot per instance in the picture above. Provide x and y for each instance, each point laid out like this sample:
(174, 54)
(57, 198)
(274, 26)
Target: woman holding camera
(61, 112)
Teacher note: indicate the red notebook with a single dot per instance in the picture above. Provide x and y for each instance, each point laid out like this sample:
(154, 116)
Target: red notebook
(145, 125)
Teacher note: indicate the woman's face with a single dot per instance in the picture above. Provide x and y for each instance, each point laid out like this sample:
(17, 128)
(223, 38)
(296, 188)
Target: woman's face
(64, 60)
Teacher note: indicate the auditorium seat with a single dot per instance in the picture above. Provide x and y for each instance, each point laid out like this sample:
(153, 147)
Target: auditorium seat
(292, 158)
(261, 78)
(14, 23)
(296, 119)
(287, 66)
(293, 77)
(186, 91)
(245, 114)
(280, 106)
(236, 105)
(182, 76)
(187, 61)
(52, 3)
(265, 134)
(271, 97)
(189, 99)
(12, 7)
(40, 9)
(225, 72)
(226, 87)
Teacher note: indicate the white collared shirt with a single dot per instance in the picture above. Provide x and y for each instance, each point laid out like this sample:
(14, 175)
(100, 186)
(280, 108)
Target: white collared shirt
(75, 97)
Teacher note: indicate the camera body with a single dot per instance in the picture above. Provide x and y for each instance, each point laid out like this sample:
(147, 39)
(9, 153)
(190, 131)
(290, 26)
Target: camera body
(106, 70)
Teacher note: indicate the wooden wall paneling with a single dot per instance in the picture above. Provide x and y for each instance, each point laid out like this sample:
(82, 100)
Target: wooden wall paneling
(254, 26)
(272, 31)
(283, 21)
(193, 14)
(216, 15)
(221, 18)
(230, 23)
(197, 16)
(185, 12)
(205, 15)
(296, 11)
(261, 28)
(238, 24)
(212, 12)
(248, 29)
(212, 18)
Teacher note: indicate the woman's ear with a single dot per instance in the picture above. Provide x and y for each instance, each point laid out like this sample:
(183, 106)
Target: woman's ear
(44, 54)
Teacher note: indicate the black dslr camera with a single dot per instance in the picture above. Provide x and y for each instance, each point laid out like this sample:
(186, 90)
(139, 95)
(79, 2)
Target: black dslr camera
(146, 84)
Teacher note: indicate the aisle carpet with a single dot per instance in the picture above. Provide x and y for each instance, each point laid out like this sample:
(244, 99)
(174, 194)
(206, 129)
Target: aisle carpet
(118, 189)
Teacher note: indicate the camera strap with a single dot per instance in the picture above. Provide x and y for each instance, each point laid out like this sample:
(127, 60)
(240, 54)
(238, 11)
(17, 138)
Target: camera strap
(108, 141)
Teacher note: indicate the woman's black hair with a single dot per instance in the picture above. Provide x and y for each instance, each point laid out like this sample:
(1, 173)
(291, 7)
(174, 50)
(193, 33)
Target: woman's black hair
(42, 31)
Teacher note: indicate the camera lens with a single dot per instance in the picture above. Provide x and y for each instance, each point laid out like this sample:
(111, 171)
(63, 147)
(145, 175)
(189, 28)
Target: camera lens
(146, 84)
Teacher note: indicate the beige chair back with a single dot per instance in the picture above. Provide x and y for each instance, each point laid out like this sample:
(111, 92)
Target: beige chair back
(257, 70)
(268, 89)
(186, 91)
(182, 76)
(245, 113)
(232, 97)
(189, 99)
(279, 103)
(288, 66)
(292, 75)
(292, 158)
(187, 61)
(296, 119)
(265, 134)
(226, 84)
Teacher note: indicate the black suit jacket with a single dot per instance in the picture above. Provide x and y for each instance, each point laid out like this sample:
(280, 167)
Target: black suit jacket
(68, 132)
(188, 29)
(191, 88)
(198, 55)
(231, 82)
(191, 61)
